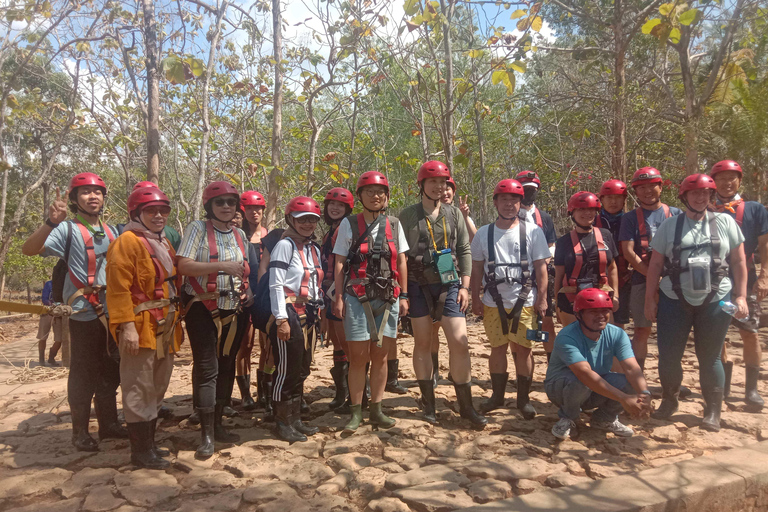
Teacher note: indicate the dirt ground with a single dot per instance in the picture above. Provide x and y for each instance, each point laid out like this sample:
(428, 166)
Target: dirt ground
(413, 466)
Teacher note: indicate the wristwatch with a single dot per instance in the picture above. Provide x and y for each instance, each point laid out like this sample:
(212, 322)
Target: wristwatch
(645, 392)
(50, 223)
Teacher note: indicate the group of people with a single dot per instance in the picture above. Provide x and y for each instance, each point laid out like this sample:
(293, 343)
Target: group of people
(234, 282)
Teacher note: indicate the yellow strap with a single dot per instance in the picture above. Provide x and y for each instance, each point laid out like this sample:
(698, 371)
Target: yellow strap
(432, 234)
(151, 304)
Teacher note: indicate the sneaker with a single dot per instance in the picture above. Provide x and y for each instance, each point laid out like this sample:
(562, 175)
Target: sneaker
(614, 426)
(562, 429)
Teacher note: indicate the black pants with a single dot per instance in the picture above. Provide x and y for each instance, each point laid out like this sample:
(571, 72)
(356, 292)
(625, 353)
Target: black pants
(213, 372)
(94, 367)
(292, 357)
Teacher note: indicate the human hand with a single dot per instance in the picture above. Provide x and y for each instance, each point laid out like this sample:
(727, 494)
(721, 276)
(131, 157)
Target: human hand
(477, 307)
(129, 338)
(761, 287)
(463, 299)
(651, 308)
(541, 305)
(284, 331)
(742, 310)
(57, 212)
(404, 307)
(338, 306)
(634, 405)
(233, 268)
(463, 206)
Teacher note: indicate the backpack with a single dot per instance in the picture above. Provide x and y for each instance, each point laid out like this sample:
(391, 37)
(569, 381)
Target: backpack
(61, 270)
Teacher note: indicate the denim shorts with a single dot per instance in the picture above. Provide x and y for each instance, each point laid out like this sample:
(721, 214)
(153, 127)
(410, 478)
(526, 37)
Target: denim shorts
(356, 326)
(419, 307)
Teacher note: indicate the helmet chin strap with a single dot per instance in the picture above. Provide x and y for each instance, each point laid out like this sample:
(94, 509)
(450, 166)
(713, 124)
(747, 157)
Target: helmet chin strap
(424, 193)
(578, 317)
(507, 218)
(585, 228)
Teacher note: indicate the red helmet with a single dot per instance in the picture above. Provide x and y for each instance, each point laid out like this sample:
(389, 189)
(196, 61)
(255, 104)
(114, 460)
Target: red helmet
(451, 183)
(592, 298)
(252, 198)
(613, 187)
(342, 195)
(146, 196)
(646, 175)
(371, 178)
(302, 204)
(143, 184)
(432, 169)
(528, 177)
(86, 178)
(219, 188)
(583, 200)
(696, 182)
(508, 186)
(726, 165)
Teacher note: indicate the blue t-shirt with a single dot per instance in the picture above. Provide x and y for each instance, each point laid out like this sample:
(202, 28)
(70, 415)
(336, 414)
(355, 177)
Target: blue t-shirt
(572, 346)
(629, 231)
(754, 224)
(55, 245)
(611, 222)
(47, 291)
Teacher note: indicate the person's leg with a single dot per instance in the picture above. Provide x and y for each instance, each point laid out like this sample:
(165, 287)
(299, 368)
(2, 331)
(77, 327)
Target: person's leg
(642, 325)
(305, 362)
(359, 358)
(393, 369)
(422, 342)
(566, 318)
(710, 325)
(674, 323)
(568, 393)
(289, 357)
(606, 415)
(378, 356)
(497, 362)
(436, 352)
(105, 399)
(243, 367)
(81, 383)
(753, 356)
(57, 337)
(225, 379)
(43, 330)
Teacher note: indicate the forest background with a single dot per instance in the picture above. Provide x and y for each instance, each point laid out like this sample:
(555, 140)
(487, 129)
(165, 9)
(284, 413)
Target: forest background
(295, 97)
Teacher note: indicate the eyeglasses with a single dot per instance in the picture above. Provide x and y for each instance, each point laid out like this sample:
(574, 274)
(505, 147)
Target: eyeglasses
(155, 210)
(220, 201)
(307, 219)
(370, 192)
(724, 178)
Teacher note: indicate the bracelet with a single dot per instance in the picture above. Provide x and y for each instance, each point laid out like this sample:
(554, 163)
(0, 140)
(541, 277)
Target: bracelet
(462, 287)
(404, 295)
(645, 392)
(50, 223)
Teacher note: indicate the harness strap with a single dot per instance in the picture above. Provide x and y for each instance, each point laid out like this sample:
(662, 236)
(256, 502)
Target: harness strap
(525, 281)
(645, 237)
(436, 309)
(569, 282)
(87, 289)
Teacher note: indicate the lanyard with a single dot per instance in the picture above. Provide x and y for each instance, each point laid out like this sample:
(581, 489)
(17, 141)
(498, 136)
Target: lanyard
(445, 234)
(94, 233)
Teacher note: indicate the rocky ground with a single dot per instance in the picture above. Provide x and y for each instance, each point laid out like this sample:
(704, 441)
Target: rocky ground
(413, 466)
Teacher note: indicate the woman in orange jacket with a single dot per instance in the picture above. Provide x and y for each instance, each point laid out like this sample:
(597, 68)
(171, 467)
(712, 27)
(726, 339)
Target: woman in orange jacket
(142, 298)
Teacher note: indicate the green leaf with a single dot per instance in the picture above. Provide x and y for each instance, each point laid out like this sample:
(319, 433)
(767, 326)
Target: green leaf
(197, 66)
(460, 160)
(510, 83)
(411, 7)
(498, 76)
(536, 24)
(648, 26)
(688, 17)
(665, 9)
(302, 99)
(518, 14)
(518, 66)
(475, 54)
(674, 35)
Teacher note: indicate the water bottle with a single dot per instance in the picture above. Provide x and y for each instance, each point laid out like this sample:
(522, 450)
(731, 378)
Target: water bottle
(728, 307)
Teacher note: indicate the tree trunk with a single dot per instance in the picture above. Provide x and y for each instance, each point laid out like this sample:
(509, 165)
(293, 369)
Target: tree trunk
(2, 286)
(153, 92)
(692, 145)
(277, 114)
(313, 138)
(46, 198)
(353, 123)
(481, 147)
(619, 146)
(446, 7)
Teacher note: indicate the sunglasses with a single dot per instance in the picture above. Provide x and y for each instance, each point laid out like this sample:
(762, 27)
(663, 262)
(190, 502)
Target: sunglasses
(307, 219)
(220, 201)
(155, 210)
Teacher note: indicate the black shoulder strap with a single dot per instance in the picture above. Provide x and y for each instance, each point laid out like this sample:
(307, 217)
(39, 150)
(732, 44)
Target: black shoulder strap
(68, 243)
(363, 236)
(491, 250)
(378, 243)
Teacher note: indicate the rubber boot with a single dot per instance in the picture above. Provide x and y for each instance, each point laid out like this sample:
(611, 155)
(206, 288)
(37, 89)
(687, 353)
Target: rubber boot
(261, 389)
(205, 450)
(303, 405)
(109, 425)
(164, 413)
(160, 452)
(378, 419)
(466, 409)
(393, 386)
(367, 391)
(269, 413)
(728, 369)
(499, 386)
(685, 392)
(669, 403)
(427, 402)
(713, 405)
(751, 396)
(81, 439)
(435, 368)
(339, 373)
(244, 385)
(194, 418)
(523, 401)
(142, 453)
(354, 422)
(296, 422)
(41, 354)
(220, 433)
(228, 411)
(52, 354)
(283, 428)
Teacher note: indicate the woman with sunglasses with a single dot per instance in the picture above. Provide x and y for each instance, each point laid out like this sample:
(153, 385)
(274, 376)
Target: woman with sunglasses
(295, 276)
(213, 259)
(142, 297)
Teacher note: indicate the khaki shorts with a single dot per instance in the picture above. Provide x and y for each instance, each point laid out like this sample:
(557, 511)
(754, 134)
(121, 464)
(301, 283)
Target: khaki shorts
(44, 327)
(496, 337)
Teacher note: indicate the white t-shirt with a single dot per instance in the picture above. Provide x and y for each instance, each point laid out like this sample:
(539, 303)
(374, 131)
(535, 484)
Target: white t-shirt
(280, 278)
(507, 248)
(344, 238)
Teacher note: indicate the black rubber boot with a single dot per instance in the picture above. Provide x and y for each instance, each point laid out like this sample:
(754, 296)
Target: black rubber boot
(205, 450)
(220, 433)
(427, 401)
(466, 409)
(160, 452)
(303, 405)
(751, 396)
(296, 422)
(269, 413)
(499, 386)
(283, 428)
(523, 401)
(713, 401)
(728, 369)
(228, 411)
(194, 418)
(339, 373)
(393, 386)
(261, 399)
(106, 414)
(81, 439)
(164, 413)
(685, 392)
(669, 403)
(435, 367)
(244, 385)
(142, 453)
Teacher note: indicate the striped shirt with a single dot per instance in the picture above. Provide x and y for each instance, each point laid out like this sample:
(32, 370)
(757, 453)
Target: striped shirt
(194, 246)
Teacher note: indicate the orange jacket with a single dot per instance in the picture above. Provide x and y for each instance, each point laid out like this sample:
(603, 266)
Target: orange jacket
(129, 263)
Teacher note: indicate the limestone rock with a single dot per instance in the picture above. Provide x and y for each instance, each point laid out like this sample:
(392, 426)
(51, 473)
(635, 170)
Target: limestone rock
(303, 473)
(262, 493)
(604, 469)
(409, 458)
(565, 479)
(425, 475)
(147, 488)
(33, 482)
(53, 506)
(525, 486)
(349, 461)
(337, 483)
(85, 478)
(186, 461)
(363, 444)
(668, 433)
(25, 460)
(369, 483)
(435, 497)
(512, 468)
(228, 501)
(101, 499)
(489, 489)
(207, 480)
(387, 505)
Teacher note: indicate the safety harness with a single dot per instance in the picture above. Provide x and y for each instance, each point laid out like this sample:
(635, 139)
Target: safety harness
(674, 269)
(645, 237)
(88, 289)
(573, 283)
(622, 265)
(210, 295)
(739, 217)
(329, 261)
(371, 269)
(166, 324)
(492, 282)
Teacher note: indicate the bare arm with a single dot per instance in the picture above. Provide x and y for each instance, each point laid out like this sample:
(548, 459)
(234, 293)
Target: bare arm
(595, 382)
(542, 281)
(57, 213)
(263, 264)
(628, 250)
(761, 286)
(634, 374)
(652, 284)
(476, 283)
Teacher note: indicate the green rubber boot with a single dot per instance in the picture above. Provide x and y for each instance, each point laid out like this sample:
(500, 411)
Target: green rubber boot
(357, 418)
(378, 419)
